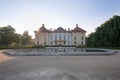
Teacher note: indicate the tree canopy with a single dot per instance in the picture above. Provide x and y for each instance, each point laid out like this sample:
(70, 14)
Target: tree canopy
(26, 38)
(106, 35)
(9, 36)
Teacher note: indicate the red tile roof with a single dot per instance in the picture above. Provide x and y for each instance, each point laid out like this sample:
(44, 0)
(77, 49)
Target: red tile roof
(59, 29)
(78, 29)
(43, 29)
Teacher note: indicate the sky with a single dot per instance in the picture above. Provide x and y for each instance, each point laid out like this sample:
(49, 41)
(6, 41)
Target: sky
(31, 14)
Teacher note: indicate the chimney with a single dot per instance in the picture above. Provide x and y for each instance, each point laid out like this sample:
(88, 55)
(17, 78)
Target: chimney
(68, 29)
(42, 25)
(50, 29)
(76, 25)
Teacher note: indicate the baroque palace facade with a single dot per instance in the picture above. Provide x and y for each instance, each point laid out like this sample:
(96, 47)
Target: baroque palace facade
(60, 36)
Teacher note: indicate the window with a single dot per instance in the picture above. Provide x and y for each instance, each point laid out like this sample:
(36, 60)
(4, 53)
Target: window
(64, 37)
(82, 37)
(64, 42)
(55, 42)
(60, 37)
(81, 42)
(74, 38)
(37, 42)
(51, 43)
(74, 50)
(75, 42)
(45, 43)
(37, 38)
(55, 37)
(68, 37)
(68, 42)
(51, 37)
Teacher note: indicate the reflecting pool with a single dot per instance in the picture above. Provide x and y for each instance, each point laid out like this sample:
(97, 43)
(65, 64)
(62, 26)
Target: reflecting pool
(58, 51)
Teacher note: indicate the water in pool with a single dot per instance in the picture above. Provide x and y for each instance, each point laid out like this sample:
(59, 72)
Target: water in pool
(57, 51)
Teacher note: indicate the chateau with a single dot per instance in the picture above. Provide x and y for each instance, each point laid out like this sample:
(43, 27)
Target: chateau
(60, 36)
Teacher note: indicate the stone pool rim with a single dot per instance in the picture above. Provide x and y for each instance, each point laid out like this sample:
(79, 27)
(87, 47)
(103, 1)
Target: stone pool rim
(11, 52)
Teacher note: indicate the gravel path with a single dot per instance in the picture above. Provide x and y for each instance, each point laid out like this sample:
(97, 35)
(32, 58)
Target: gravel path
(61, 68)
(4, 58)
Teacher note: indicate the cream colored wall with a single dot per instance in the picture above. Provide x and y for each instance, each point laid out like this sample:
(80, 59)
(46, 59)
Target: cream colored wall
(73, 35)
(84, 39)
(44, 37)
(36, 39)
(79, 39)
(47, 38)
(41, 38)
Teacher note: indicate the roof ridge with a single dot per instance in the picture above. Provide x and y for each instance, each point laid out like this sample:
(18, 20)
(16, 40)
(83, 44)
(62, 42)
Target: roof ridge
(78, 29)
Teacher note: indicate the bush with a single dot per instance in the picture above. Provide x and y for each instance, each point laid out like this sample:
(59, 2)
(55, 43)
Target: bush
(37, 46)
(80, 46)
(13, 44)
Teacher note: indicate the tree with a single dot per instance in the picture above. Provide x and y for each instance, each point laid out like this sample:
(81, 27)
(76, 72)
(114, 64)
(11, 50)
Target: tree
(8, 35)
(26, 38)
(107, 35)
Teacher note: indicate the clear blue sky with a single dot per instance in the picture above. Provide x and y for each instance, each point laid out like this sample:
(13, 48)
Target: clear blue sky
(31, 14)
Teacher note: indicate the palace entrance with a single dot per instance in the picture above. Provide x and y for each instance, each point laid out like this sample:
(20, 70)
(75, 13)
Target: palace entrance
(60, 42)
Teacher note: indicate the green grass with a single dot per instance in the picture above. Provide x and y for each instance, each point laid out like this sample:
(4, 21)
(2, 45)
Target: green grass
(20, 47)
(40, 46)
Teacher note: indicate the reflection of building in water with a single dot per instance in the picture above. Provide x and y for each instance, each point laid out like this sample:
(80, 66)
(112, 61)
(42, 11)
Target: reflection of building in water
(60, 50)
(60, 36)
